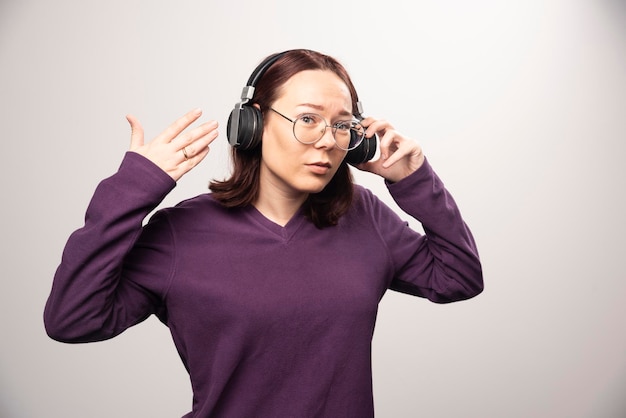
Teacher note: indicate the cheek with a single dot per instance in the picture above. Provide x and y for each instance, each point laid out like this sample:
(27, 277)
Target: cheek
(337, 157)
(280, 144)
(278, 153)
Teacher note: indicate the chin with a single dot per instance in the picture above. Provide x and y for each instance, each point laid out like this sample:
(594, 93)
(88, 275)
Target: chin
(314, 187)
(313, 190)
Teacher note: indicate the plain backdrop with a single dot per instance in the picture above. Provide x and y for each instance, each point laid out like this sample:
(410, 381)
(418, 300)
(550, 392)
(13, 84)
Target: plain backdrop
(519, 105)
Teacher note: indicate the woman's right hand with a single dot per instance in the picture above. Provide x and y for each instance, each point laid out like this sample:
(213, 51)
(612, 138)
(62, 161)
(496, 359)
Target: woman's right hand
(175, 150)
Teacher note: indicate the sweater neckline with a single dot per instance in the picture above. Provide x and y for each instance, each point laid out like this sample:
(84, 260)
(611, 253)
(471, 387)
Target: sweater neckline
(285, 232)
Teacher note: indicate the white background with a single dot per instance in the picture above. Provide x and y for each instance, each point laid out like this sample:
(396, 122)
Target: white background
(519, 105)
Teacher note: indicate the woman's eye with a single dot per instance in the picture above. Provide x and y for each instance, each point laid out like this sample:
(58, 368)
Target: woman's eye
(309, 119)
(343, 126)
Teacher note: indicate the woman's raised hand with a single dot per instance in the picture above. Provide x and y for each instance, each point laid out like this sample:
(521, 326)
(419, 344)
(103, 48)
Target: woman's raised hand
(399, 155)
(175, 150)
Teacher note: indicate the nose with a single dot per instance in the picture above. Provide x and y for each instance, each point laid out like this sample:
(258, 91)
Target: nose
(327, 140)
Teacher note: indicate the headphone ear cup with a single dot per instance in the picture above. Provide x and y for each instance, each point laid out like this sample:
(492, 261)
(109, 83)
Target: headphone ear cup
(249, 127)
(364, 152)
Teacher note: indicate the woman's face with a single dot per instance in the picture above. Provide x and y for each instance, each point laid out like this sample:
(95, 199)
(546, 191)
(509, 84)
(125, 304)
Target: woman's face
(288, 166)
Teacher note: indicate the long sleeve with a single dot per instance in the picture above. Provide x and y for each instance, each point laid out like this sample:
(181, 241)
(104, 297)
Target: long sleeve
(90, 300)
(443, 265)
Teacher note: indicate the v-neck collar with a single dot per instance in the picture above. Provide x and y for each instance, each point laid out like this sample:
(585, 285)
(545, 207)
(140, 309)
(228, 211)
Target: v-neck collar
(285, 232)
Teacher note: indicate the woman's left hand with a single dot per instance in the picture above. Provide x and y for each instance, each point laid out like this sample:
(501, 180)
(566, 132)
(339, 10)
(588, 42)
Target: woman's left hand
(399, 156)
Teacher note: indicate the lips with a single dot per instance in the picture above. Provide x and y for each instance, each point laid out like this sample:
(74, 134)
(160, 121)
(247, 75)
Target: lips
(321, 164)
(319, 167)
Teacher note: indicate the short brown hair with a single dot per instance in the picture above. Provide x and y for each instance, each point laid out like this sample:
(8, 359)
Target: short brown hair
(241, 189)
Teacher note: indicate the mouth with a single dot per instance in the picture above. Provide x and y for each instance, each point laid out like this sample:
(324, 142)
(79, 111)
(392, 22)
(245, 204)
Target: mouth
(319, 167)
(320, 164)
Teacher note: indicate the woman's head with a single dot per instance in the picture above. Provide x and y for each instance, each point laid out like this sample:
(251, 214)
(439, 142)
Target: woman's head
(299, 82)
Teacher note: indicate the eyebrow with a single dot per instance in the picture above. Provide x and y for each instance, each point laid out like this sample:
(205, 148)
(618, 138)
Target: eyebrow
(321, 108)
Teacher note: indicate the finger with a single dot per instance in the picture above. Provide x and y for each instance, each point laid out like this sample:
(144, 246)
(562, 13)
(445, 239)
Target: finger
(136, 132)
(190, 163)
(190, 146)
(199, 133)
(376, 126)
(370, 166)
(408, 150)
(386, 143)
(178, 126)
(199, 156)
(395, 156)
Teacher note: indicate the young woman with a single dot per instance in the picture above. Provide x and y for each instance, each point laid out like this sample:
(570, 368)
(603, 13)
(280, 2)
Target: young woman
(270, 284)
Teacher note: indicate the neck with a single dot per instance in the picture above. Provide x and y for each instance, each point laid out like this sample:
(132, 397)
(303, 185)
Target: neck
(277, 206)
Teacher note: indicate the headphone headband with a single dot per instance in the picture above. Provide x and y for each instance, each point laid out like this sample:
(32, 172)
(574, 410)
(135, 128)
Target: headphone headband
(262, 68)
(248, 91)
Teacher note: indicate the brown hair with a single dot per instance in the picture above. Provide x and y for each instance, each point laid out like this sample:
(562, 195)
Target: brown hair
(242, 188)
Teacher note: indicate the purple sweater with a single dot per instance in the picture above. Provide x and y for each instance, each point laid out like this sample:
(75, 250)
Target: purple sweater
(269, 321)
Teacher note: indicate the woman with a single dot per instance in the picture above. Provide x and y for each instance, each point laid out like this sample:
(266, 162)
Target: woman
(269, 284)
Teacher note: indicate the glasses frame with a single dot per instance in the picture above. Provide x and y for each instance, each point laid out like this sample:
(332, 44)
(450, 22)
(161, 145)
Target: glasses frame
(326, 125)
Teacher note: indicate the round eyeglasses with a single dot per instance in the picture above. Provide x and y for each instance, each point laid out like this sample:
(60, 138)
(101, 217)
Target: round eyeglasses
(309, 128)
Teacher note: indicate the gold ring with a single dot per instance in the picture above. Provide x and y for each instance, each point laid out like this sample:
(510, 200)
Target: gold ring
(185, 153)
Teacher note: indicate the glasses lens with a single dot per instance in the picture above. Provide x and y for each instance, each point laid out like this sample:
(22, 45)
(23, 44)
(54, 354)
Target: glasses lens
(309, 128)
(348, 134)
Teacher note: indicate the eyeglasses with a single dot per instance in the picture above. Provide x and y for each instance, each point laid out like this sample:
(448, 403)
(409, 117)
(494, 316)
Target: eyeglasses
(309, 128)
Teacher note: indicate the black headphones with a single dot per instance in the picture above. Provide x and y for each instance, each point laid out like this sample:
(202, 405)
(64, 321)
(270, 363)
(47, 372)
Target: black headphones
(245, 122)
